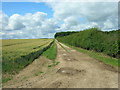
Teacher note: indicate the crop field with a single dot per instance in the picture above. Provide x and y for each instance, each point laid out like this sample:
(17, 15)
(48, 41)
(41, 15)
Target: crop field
(13, 49)
(18, 53)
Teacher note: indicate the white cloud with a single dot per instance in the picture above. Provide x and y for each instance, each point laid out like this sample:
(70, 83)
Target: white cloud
(3, 20)
(15, 22)
(98, 13)
(35, 25)
(111, 24)
(67, 16)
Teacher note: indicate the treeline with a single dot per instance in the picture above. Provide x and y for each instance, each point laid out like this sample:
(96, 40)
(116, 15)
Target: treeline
(94, 39)
(61, 34)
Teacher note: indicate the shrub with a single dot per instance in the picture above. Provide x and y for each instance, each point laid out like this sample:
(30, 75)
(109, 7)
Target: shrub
(94, 39)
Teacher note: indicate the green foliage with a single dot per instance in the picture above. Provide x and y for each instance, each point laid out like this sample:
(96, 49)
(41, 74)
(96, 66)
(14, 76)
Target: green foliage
(94, 39)
(16, 56)
(61, 34)
(51, 53)
(99, 56)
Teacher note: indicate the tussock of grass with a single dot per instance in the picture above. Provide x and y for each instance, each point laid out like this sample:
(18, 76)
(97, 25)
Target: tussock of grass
(37, 74)
(54, 63)
(4, 80)
(51, 53)
(99, 56)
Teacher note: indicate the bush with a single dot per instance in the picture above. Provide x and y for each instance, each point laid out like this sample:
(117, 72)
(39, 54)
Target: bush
(94, 39)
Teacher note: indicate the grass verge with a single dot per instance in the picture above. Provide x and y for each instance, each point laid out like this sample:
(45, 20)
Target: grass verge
(13, 68)
(99, 56)
(51, 53)
(63, 47)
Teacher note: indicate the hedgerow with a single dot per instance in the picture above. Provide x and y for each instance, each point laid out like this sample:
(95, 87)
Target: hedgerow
(94, 39)
(14, 66)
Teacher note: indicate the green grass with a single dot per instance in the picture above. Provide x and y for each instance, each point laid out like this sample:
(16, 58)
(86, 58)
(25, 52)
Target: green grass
(17, 48)
(54, 63)
(37, 74)
(51, 53)
(16, 56)
(4, 80)
(99, 56)
(63, 47)
(19, 53)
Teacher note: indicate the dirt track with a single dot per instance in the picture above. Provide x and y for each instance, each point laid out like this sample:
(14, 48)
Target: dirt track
(75, 70)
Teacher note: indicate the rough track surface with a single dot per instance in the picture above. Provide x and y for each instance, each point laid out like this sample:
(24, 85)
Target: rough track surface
(75, 70)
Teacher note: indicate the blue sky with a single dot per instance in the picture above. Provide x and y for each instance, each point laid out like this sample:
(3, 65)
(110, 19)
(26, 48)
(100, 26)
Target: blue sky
(47, 18)
(22, 8)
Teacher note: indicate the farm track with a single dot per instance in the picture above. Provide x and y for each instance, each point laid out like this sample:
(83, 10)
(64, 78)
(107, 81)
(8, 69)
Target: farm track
(75, 70)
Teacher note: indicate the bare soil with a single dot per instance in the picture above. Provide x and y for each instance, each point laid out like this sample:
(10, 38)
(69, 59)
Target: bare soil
(75, 70)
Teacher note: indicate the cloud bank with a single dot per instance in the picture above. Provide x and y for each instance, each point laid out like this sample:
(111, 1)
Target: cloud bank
(76, 15)
(67, 16)
(35, 25)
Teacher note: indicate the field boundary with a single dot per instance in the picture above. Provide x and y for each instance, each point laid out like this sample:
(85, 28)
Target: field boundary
(22, 62)
(99, 57)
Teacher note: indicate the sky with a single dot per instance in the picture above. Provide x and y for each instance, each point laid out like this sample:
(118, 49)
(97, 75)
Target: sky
(28, 20)
(11, 8)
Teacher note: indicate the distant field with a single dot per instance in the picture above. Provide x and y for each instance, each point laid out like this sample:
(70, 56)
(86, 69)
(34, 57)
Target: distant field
(13, 49)
(18, 53)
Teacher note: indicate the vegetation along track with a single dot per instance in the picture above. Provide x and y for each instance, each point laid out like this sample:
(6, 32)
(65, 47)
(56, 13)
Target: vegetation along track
(17, 54)
(75, 70)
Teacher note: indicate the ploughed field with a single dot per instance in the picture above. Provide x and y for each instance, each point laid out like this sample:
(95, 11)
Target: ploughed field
(18, 53)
